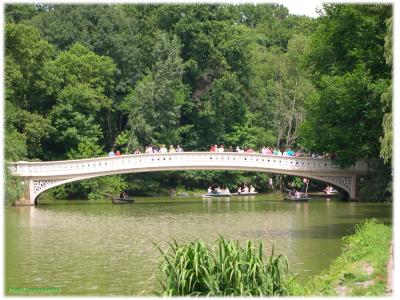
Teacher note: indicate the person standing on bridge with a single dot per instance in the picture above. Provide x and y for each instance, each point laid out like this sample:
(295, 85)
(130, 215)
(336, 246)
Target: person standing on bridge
(178, 148)
(149, 149)
(111, 153)
(171, 149)
(163, 150)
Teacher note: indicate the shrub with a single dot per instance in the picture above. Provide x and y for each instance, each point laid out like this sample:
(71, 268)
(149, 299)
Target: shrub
(231, 270)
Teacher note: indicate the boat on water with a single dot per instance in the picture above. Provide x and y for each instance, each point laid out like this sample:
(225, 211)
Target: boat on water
(209, 195)
(302, 198)
(322, 194)
(122, 199)
(116, 200)
(244, 193)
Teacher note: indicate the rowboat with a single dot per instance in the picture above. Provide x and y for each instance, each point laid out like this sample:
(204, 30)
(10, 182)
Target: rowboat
(216, 195)
(303, 198)
(322, 194)
(122, 200)
(244, 194)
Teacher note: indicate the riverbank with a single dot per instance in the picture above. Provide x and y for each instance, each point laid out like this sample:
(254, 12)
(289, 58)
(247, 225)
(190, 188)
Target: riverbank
(361, 269)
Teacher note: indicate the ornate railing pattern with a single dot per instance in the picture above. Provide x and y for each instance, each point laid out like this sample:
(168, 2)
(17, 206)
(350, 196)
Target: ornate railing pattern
(195, 160)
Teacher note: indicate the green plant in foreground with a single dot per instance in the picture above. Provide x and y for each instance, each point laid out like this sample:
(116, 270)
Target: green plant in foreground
(229, 270)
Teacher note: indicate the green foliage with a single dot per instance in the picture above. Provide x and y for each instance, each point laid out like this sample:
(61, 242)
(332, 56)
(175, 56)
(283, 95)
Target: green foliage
(87, 148)
(107, 185)
(347, 60)
(13, 188)
(15, 145)
(387, 138)
(20, 12)
(378, 185)
(154, 105)
(330, 127)
(349, 35)
(26, 54)
(73, 127)
(229, 270)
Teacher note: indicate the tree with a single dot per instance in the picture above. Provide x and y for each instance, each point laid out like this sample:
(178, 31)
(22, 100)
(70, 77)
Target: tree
(154, 105)
(81, 82)
(26, 54)
(347, 60)
(387, 136)
(280, 86)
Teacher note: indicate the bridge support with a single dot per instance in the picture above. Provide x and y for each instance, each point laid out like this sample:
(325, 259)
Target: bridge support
(353, 189)
(27, 197)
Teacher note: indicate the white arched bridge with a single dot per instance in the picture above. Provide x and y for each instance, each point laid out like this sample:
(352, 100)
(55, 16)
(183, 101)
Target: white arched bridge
(41, 176)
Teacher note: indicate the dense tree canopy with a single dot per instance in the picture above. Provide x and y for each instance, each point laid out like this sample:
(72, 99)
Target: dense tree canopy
(350, 72)
(81, 79)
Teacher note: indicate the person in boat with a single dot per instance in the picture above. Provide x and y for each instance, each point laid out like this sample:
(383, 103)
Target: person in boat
(227, 192)
(305, 184)
(123, 195)
(239, 190)
(245, 189)
(271, 183)
(252, 189)
(209, 190)
(293, 192)
(328, 190)
(298, 195)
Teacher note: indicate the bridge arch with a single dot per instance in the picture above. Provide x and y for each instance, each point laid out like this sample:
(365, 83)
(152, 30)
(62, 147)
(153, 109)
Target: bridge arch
(41, 176)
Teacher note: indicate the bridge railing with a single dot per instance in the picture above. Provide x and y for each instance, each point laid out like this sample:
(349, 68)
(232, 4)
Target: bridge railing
(171, 161)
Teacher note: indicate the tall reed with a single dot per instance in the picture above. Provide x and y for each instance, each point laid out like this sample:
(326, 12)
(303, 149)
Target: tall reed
(225, 270)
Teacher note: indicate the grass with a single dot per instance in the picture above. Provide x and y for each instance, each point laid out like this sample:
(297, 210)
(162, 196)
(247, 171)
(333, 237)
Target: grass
(225, 270)
(361, 269)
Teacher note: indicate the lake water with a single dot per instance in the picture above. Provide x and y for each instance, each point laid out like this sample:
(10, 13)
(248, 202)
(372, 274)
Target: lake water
(105, 249)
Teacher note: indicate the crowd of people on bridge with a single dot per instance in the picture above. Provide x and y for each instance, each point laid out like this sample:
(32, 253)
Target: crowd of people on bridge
(150, 149)
(271, 151)
(220, 148)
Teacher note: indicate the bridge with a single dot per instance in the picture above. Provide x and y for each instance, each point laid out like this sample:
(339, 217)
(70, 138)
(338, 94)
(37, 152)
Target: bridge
(38, 177)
